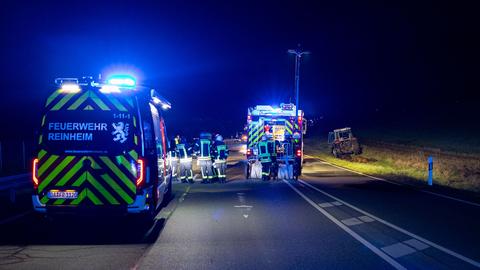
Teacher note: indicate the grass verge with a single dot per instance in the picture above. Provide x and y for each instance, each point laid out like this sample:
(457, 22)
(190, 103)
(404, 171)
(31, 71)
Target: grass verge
(406, 163)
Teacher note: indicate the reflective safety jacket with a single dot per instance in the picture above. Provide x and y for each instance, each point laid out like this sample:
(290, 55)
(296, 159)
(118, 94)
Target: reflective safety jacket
(184, 151)
(263, 152)
(204, 147)
(220, 150)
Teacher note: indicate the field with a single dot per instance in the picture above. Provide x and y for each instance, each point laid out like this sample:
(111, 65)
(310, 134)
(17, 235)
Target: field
(404, 158)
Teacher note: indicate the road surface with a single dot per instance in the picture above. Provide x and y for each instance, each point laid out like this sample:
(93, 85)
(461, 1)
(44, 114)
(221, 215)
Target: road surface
(330, 219)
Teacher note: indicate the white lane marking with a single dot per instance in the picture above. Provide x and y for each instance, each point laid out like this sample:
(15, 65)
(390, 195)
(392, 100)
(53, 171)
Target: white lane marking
(366, 219)
(416, 244)
(398, 250)
(242, 206)
(398, 184)
(325, 205)
(245, 215)
(437, 246)
(357, 237)
(351, 221)
(18, 216)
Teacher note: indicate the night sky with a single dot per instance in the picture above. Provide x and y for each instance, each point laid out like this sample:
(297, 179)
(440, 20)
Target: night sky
(372, 63)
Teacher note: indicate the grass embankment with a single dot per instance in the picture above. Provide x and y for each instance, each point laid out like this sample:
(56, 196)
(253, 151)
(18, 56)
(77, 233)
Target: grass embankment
(407, 163)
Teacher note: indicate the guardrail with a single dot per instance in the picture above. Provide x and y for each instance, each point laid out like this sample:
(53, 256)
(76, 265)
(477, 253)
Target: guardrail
(15, 181)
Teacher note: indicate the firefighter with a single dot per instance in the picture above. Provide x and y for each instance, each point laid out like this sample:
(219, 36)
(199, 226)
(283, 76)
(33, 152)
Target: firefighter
(204, 157)
(273, 146)
(220, 154)
(184, 153)
(173, 158)
(265, 158)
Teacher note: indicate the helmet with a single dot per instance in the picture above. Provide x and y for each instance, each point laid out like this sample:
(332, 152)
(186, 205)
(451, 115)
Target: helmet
(219, 138)
(205, 135)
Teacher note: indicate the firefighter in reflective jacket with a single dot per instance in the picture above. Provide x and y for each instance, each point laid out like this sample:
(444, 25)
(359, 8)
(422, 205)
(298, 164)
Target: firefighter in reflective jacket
(204, 159)
(273, 146)
(184, 153)
(173, 157)
(220, 154)
(265, 158)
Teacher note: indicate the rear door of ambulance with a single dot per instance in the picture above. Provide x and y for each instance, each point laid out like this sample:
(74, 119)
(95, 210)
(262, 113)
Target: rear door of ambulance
(89, 148)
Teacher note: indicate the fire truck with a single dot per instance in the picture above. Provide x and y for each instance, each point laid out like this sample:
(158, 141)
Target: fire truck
(281, 125)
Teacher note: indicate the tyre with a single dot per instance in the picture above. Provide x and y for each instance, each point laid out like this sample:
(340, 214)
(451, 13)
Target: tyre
(247, 170)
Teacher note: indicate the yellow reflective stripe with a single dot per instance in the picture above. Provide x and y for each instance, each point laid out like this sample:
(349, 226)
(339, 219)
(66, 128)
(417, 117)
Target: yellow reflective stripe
(62, 102)
(119, 173)
(98, 101)
(44, 200)
(101, 189)
(117, 103)
(70, 173)
(93, 198)
(55, 172)
(79, 101)
(41, 153)
(52, 97)
(80, 197)
(134, 154)
(47, 164)
(117, 188)
(80, 180)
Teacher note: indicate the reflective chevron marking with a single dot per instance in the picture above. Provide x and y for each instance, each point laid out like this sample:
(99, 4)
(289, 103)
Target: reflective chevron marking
(99, 102)
(117, 188)
(119, 173)
(101, 189)
(41, 154)
(117, 104)
(79, 101)
(62, 102)
(70, 173)
(54, 173)
(52, 97)
(47, 164)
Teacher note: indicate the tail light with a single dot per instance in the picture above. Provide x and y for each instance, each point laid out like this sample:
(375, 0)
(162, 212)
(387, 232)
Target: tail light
(299, 153)
(249, 117)
(140, 172)
(34, 173)
(299, 119)
(249, 152)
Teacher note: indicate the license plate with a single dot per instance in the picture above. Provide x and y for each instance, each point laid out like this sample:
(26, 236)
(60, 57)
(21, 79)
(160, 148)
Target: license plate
(62, 194)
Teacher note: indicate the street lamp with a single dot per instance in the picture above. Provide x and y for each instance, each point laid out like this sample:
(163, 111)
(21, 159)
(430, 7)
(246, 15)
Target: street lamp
(298, 55)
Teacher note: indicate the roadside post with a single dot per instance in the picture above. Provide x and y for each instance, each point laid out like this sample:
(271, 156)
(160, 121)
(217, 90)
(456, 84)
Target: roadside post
(430, 171)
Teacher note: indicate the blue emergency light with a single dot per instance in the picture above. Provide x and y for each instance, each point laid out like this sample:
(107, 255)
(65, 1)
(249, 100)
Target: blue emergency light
(122, 80)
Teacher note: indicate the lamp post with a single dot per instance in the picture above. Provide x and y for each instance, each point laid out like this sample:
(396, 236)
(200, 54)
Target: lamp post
(298, 55)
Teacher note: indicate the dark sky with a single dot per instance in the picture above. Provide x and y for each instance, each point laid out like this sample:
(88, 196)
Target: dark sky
(406, 63)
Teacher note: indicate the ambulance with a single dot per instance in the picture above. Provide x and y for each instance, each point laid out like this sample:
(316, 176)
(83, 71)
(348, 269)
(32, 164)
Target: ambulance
(102, 148)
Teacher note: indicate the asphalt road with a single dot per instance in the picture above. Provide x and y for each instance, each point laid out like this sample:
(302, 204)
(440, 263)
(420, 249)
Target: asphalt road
(331, 219)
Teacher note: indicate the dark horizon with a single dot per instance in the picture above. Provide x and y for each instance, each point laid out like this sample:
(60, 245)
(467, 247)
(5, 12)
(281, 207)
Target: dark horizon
(373, 64)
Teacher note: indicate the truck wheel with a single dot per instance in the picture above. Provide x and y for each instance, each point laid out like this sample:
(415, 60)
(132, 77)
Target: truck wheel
(247, 170)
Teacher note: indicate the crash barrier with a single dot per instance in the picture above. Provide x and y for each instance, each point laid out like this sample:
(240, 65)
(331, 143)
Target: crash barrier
(284, 171)
(256, 171)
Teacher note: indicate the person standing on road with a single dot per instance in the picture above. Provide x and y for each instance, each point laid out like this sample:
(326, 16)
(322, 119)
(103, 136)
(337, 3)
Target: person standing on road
(204, 159)
(272, 149)
(184, 153)
(220, 154)
(265, 158)
(173, 158)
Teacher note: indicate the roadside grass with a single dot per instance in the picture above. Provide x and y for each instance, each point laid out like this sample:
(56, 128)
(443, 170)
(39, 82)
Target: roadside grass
(406, 163)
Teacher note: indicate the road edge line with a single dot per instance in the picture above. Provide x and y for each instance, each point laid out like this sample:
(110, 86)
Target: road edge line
(353, 234)
(399, 184)
(437, 246)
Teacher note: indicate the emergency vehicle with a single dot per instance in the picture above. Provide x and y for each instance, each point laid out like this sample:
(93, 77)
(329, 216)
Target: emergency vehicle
(280, 125)
(102, 147)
